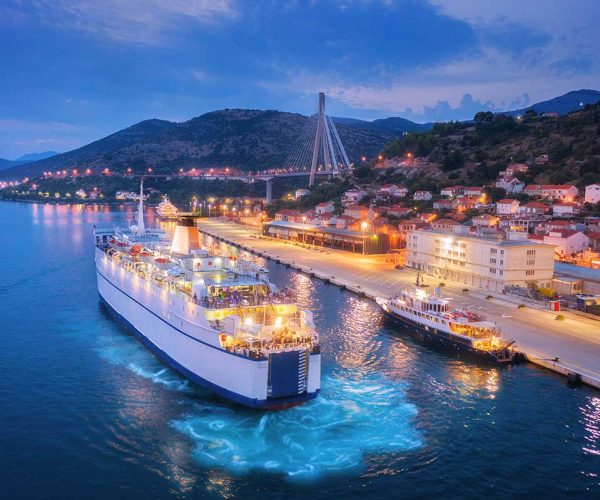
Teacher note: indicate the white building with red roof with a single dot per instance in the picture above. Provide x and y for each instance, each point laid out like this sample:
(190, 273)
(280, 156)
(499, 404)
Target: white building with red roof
(422, 196)
(507, 206)
(566, 208)
(324, 208)
(567, 241)
(534, 208)
(564, 192)
(592, 193)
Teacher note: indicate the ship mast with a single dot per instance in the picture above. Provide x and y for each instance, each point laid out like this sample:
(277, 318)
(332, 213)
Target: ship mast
(140, 214)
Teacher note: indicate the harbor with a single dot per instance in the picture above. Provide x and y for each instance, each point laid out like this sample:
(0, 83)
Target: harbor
(567, 347)
(392, 413)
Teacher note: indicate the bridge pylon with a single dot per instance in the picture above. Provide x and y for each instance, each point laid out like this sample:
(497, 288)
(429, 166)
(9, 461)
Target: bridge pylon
(327, 139)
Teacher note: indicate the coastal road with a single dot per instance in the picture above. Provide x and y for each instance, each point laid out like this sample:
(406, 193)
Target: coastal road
(575, 341)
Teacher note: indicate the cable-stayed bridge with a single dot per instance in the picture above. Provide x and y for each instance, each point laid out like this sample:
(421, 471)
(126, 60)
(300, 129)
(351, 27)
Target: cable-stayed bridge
(317, 151)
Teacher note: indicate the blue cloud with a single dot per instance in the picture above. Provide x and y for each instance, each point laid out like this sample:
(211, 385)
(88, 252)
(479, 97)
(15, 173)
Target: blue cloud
(101, 66)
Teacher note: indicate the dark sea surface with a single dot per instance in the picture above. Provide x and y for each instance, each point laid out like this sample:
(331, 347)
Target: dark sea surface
(87, 411)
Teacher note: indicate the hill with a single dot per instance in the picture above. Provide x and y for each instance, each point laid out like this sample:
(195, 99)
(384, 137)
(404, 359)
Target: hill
(566, 103)
(5, 164)
(393, 125)
(239, 138)
(473, 153)
(37, 156)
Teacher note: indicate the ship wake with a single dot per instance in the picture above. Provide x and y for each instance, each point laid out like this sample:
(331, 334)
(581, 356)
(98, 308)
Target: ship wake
(354, 416)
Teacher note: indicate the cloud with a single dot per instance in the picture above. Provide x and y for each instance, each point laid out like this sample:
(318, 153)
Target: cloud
(145, 22)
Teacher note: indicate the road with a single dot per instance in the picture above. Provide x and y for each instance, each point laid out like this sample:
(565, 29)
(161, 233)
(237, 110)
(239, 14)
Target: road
(575, 341)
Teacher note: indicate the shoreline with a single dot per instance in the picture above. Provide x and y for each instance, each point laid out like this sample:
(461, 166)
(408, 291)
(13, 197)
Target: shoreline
(574, 372)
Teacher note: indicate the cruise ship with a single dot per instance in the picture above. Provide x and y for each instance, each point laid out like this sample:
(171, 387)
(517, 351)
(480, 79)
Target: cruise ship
(430, 318)
(166, 209)
(217, 320)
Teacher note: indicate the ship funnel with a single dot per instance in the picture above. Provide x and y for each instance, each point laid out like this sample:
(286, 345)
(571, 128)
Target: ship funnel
(186, 237)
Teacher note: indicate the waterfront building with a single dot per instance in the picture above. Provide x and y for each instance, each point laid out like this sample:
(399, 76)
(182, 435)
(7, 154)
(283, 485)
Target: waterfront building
(566, 208)
(399, 211)
(444, 224)
(485, 220)
(567, 241)
(287, 215)
(366, 242)
(324, 208)
(563, 192)
(481, 261)
(343, 221)
(507, 206)
(533, 208)
(357, 211)
(592, 193)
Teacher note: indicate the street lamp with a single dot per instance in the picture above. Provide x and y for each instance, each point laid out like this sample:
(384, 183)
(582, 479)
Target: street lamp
(304, 229)
(363, 228)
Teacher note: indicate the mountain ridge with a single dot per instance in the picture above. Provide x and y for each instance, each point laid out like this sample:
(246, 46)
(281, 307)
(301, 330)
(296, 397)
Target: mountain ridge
(243, 138)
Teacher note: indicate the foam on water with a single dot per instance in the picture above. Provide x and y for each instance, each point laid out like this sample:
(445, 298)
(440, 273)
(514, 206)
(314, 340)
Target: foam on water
(126, 351)
(353, 416)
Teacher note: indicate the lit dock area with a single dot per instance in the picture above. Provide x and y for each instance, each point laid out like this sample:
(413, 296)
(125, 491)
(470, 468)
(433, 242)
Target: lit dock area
(566, 347)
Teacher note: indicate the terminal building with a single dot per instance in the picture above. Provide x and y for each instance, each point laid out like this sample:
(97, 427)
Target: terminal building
(332, 237)
(478, 261)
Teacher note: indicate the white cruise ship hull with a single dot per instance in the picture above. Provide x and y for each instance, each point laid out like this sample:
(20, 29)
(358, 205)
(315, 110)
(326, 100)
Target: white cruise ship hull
(176, 331)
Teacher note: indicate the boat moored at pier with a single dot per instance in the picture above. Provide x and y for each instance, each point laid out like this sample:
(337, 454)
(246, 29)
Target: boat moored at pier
(430, 318)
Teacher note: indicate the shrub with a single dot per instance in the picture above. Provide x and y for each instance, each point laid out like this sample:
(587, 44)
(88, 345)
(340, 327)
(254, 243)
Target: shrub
(559, 317)
(465, 289)
(442, 284)
(489, 297)
(520, 306)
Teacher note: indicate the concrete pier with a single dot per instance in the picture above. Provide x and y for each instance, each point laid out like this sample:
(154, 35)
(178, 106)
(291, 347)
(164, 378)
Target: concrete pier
(570, 347)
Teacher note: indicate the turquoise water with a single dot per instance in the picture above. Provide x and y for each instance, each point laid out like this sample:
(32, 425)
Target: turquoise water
(88, 412)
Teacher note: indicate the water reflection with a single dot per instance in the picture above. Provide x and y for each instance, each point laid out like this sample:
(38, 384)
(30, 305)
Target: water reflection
(591, 423)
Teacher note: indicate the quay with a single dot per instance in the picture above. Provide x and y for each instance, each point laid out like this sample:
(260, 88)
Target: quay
(570, 348)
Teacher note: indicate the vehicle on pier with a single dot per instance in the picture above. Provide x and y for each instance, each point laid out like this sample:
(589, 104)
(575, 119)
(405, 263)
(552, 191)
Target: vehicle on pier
(218, 321)
(430, 318)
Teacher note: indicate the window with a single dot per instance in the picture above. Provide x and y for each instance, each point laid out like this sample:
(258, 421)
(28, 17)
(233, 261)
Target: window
(530, 262)
(530, 252)
(492, 270)
(494, 250)
(492, 261)
(530, 272)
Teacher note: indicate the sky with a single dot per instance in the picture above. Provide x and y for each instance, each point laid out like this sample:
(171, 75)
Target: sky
(73, 71)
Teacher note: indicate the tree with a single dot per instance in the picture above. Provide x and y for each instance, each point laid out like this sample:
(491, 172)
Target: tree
(494, 193)
(484, 117)
(453, 161)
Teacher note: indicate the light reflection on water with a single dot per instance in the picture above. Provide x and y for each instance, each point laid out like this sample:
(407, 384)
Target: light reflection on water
(102, 414)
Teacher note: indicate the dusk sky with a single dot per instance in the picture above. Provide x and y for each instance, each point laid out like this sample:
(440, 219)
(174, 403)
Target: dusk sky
(75, 71)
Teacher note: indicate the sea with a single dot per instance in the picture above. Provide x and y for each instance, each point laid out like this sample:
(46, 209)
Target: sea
(87, 412)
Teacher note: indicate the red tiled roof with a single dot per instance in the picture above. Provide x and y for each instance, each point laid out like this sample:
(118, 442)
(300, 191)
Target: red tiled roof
(506, 200)
(564, 233)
